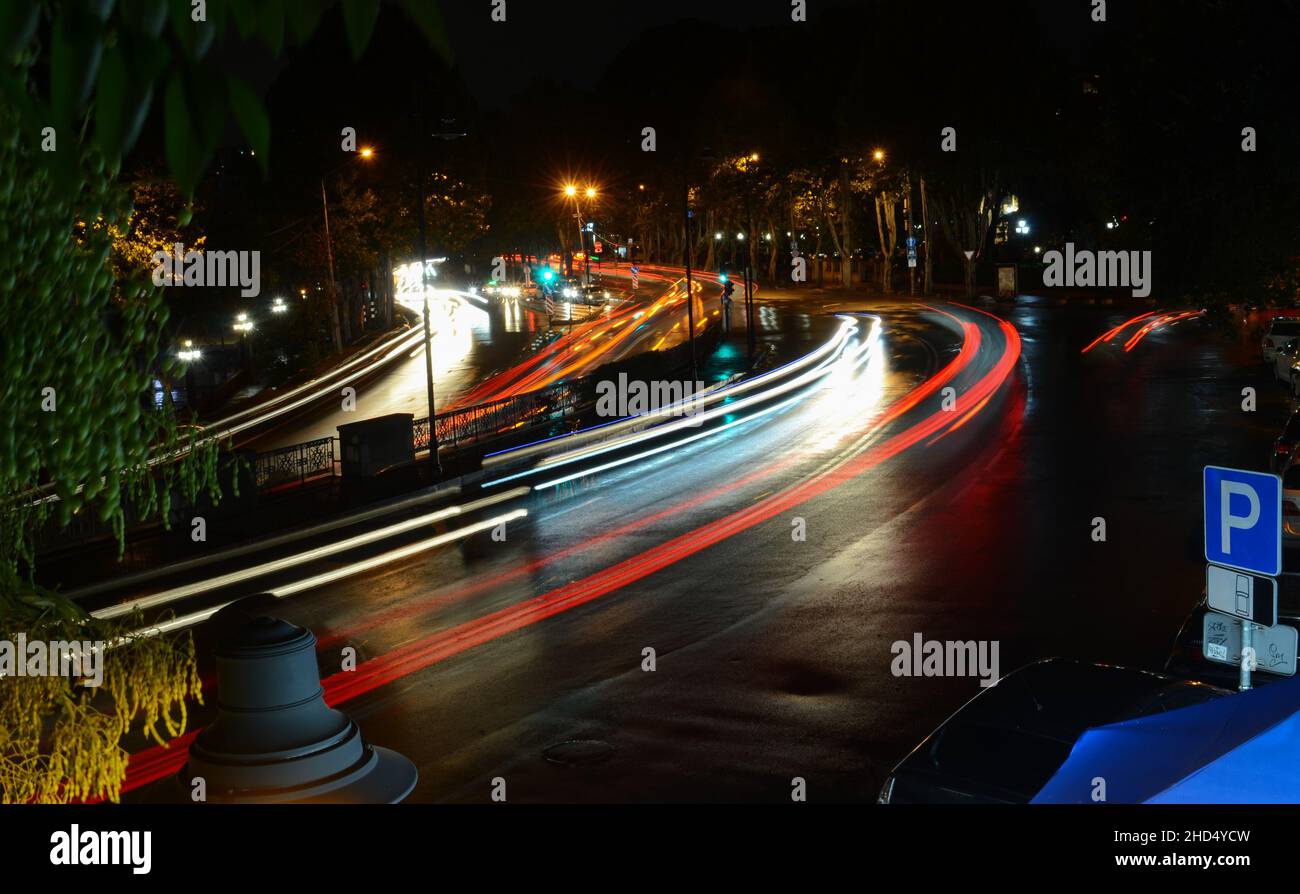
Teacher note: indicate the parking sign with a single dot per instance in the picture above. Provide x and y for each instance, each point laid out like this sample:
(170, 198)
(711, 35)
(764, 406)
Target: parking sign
(1243, 520)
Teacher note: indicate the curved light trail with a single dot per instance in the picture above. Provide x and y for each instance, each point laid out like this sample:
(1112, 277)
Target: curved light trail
(157, 762)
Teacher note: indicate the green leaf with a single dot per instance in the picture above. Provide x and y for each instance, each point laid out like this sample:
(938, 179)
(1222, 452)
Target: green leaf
(244, 13)
(428, 18)
(270, 25)
(252, 118)
(195, 38)
(359, 17)
(180, 139)
(18, 20)
(145, 16)
(75, 53)
(110, 104)
(304, 16)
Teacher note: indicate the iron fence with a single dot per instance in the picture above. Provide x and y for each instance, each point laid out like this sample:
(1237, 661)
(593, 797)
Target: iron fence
(298, 462)
(498, 416)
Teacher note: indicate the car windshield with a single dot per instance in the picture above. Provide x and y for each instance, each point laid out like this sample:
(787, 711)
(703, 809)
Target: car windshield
(1291, 480)
(1009, 759)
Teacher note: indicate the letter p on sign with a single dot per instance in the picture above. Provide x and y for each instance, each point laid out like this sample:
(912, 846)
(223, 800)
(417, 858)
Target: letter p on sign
(1243, 520)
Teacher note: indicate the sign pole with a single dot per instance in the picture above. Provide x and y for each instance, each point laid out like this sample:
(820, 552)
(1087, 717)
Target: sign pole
(1247, 654)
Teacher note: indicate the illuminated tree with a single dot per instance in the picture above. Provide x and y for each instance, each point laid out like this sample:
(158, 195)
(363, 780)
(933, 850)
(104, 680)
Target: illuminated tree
(76, 84)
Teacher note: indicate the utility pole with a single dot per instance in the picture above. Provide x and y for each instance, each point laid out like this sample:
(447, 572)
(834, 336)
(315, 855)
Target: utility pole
(910, 242)
(434, 463)
(686, 245)
(329, 256)
(927, 283)
(749, 276)
(446, 134)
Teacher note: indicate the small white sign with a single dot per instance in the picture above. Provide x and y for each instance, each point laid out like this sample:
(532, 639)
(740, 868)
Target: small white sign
(1275, 647)
(1241, 594)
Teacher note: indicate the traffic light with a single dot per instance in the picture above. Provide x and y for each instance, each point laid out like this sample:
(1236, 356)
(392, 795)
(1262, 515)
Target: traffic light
(727, 288)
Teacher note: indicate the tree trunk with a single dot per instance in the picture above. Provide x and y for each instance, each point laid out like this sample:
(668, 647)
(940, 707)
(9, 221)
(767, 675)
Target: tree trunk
(928, 285)
(846, 213)
(336, 331)
(887, 228)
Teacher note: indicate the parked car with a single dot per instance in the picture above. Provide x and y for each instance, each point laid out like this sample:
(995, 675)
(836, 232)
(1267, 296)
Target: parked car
(1280, 331)
(1188, 661)
(1284, 448)
(1291, 503)
(1284, 359)
(1006, 743)
(595, 294)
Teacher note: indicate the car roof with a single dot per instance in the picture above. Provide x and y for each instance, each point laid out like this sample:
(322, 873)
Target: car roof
(1015, 733)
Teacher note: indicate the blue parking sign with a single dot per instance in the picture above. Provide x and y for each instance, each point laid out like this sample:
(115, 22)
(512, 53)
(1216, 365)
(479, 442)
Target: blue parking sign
(1243, 520)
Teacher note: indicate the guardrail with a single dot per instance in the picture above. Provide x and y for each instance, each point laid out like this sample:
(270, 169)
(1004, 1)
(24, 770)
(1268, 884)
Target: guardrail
(295, 463)
(499, 416)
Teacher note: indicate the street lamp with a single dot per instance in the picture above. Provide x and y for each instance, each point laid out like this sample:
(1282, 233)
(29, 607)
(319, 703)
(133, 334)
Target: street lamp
(447, 134)
(571, 191)
(366, 153)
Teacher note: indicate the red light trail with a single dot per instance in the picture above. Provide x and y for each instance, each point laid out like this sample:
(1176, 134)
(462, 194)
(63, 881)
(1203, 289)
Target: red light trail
(157, 762)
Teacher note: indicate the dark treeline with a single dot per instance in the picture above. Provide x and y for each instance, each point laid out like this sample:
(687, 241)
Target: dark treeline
(1136, 121)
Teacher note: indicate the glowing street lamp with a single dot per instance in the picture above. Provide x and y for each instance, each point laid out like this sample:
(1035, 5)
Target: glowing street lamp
(590, 192)
(278, 306)
(878, 155)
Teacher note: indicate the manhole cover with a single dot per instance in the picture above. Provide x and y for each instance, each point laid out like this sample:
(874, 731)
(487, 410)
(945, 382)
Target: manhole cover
(578, 752)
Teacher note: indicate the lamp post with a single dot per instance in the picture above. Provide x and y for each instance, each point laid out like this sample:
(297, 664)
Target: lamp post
(571, 192)
(365, 153)
(747, 166)
(706, 155)
(448, 134)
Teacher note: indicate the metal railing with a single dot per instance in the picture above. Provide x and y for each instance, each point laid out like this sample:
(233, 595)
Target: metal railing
(295, 463)
(499, 416)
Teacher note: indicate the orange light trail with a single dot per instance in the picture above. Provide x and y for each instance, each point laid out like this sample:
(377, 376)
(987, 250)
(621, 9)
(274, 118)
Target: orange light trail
(157, 762)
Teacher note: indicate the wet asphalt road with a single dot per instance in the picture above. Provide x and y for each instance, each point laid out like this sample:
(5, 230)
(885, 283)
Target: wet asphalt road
(475, 348)
(773, 655)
